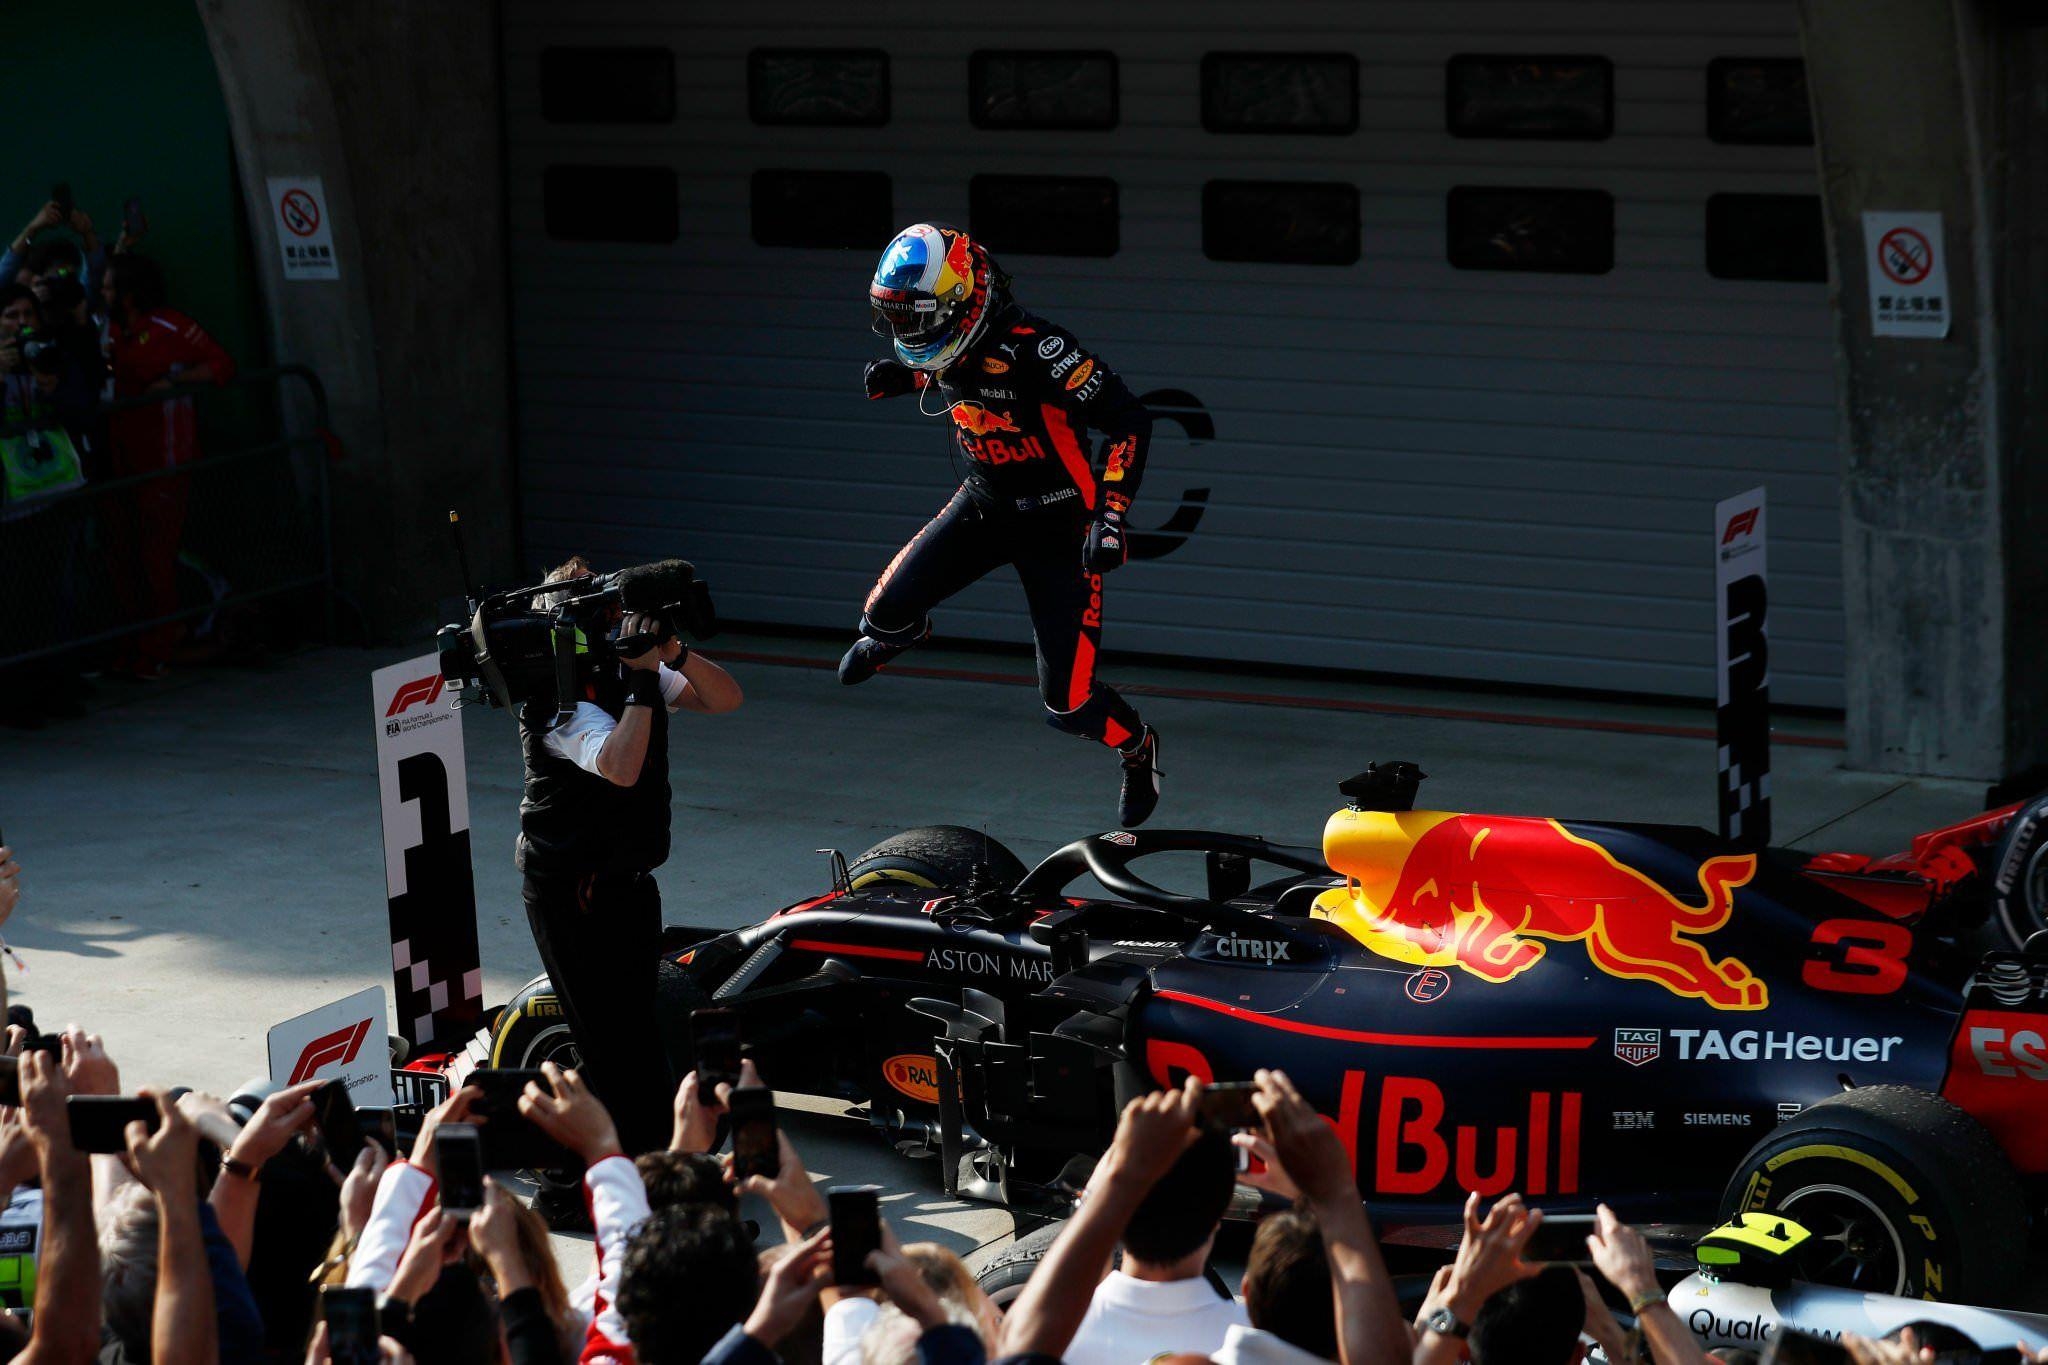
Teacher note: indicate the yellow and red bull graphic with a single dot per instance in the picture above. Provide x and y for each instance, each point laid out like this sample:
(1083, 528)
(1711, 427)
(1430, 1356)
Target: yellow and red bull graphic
(1483, 893)
(958, 271)
(983, 436)
(977, 420)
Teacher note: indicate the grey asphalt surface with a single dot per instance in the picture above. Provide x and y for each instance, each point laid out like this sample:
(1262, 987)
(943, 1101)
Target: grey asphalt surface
(203, 855)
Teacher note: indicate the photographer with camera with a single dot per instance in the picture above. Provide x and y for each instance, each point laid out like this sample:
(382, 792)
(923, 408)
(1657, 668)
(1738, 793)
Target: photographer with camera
(38, 456)
(29, 262)
(593, 826)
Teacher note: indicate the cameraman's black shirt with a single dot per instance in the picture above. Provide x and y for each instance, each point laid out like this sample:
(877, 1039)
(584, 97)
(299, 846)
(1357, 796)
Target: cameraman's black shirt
(572, 822)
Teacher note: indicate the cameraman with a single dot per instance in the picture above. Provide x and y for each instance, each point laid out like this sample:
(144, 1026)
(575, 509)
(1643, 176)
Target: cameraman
(593, 826)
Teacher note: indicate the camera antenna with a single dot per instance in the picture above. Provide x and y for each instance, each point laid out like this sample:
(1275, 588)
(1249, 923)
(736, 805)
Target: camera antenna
(462, 556)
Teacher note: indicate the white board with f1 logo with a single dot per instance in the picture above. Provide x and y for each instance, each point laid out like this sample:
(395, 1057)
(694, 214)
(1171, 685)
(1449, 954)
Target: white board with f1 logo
(342, 1041)
(1742, 669)
(436, 972)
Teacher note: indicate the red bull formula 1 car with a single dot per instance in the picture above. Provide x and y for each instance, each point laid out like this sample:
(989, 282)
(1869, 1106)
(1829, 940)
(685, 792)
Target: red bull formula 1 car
(1632, 1013)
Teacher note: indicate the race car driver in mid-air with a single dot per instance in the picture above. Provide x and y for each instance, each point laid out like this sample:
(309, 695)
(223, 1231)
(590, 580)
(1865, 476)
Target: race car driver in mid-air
(1023, 395)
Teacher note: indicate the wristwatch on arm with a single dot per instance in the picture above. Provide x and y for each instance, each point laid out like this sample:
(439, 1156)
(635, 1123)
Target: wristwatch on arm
(1445, 1323)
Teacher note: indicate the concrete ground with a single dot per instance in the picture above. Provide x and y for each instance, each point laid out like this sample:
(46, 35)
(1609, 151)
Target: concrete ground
(203, 856)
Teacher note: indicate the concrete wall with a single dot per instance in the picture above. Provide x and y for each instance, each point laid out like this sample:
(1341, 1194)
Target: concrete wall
(1914, 110)
(2017, 120)
(395, 106)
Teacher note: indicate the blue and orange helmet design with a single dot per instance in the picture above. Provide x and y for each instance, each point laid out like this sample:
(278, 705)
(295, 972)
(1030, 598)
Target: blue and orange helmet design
(931, 294)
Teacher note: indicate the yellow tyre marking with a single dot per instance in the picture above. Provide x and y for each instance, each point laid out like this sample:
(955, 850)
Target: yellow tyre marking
(504, 1030)
(888, 874)
(1854, 1158)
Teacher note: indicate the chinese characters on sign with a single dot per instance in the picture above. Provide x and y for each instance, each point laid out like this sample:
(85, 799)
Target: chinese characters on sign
(305, 237)
(1907, 263)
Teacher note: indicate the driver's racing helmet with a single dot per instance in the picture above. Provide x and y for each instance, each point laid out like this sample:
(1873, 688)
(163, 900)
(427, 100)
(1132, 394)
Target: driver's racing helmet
(932, 294)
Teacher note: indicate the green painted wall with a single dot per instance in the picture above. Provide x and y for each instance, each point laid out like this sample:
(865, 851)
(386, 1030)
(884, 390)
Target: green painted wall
(120, 98)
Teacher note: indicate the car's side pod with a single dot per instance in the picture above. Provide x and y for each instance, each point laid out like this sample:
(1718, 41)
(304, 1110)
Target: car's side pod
(1998, 1056)
(1014, 1112)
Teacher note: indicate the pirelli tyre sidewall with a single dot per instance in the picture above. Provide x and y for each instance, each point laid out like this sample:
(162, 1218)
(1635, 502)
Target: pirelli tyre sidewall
(2019, 874)
(532, 1029)
(935, 857)
(1917, 1183)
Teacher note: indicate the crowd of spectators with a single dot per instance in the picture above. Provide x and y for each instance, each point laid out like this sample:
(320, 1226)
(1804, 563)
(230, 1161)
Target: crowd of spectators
(221, 1229)
(95, 374)
(217, 1233)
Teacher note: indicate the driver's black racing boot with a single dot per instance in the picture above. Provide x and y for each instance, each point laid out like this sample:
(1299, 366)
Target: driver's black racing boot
(869, 654)
(866, 658)
(1140, 796)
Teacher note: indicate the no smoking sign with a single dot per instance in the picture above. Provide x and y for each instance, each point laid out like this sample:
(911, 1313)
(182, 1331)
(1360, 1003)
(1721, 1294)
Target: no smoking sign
(1904, 256)
(1908, 275)
(300, 221)
(300, 212)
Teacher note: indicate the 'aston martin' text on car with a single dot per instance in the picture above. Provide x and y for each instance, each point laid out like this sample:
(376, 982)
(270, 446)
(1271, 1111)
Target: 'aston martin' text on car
(1633, 1013)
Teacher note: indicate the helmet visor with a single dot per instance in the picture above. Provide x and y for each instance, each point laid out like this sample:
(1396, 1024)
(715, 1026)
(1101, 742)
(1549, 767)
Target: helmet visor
(907, 316)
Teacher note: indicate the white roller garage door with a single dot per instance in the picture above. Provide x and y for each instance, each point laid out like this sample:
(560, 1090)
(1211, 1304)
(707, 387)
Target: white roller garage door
(1416, 469)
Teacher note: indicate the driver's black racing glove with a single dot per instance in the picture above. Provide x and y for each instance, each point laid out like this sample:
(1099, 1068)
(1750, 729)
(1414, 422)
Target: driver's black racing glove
(1108, 544)
(892, 379)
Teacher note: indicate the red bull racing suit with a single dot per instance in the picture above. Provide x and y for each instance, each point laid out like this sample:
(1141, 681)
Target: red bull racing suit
(1023, 401)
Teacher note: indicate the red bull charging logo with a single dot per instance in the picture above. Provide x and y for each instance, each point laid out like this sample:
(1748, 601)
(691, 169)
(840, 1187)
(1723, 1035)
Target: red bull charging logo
(1483, 892)
(981, 421)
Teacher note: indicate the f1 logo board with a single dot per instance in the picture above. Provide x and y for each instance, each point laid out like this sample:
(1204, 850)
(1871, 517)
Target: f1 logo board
(436, 969)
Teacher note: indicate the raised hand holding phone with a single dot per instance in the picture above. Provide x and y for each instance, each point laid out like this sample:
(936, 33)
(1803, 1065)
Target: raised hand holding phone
(572, 1116)
(856, 1233)
(459, 1152)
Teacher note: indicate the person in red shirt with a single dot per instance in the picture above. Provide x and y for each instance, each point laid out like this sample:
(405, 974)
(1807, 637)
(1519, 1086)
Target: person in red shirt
(153, 349)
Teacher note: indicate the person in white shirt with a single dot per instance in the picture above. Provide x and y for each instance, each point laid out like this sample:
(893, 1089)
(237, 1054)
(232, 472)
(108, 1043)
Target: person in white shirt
(593, 827)
(1159, 1302)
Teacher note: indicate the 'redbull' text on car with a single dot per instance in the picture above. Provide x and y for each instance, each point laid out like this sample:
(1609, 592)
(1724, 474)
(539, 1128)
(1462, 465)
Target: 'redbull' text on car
(1580, 1011)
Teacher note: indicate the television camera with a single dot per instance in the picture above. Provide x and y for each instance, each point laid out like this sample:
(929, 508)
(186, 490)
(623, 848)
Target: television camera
(526, 648)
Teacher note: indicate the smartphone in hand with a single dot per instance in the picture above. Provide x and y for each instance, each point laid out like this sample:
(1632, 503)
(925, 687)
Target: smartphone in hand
(99, 1123)
(755, 1150)
(1227, 1106)
(340, 1132)
(856, 1231)
(10, 1081)
(133, 221)
(459, 1152)
(716, 1033)
(351, 1318)
(1561, 1239)
(511, 1140)
(380, 1124)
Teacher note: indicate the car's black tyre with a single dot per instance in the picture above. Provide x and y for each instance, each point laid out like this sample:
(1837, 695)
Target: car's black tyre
(1003, 1278)
(531, 1029)
(936, 856)
(1903, 1191)
(2019, 873)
